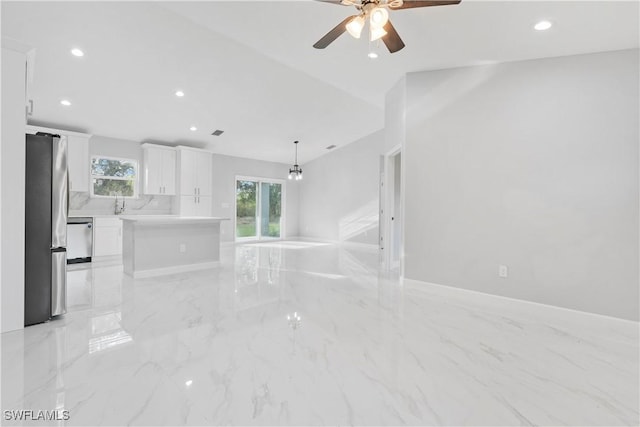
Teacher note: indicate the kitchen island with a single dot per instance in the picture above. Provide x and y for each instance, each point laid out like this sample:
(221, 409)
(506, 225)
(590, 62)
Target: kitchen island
(155, 245)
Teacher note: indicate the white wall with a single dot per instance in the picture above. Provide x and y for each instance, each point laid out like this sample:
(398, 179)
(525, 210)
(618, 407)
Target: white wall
(12, 159)
(102, 145)
(339, 197)
(225, 170)
(533, 165)
(395, 114)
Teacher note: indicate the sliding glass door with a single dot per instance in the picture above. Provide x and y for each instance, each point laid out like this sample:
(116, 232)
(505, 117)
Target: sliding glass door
(258, 209)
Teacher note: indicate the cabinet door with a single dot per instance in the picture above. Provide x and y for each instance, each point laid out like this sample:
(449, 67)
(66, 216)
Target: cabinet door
(153, 171)
(169, 172)
(188, 164)
(203, 169)
(188, 206)
(203, 206)
(78, 162)
(107, 241)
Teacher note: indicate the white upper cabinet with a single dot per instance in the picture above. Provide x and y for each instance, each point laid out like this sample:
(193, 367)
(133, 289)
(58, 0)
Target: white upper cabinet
(78, 160)
(77, 156)
(188, 178)
(194, 177)
(159, 170)
(169, 171)
(203, 178)
(195, 172)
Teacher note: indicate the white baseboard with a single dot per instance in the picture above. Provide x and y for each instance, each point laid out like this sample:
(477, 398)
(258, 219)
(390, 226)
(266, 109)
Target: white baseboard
(175, 269)
(367, 246)
(511, 300)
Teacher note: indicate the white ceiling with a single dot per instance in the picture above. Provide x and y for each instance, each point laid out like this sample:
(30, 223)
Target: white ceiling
(249, 67)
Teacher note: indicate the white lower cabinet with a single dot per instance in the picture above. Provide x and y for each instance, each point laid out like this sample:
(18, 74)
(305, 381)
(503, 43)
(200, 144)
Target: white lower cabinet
(195, 205)
(107, 237)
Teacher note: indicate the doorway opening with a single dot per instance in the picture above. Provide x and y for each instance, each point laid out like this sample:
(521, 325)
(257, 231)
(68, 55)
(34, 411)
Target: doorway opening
(391, 218)
(396, 211)
(259, 213)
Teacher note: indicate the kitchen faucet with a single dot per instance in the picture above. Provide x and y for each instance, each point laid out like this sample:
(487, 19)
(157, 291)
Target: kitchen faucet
(118, 210)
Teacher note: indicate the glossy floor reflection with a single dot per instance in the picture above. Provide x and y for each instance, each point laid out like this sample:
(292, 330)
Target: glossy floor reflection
(296, 333)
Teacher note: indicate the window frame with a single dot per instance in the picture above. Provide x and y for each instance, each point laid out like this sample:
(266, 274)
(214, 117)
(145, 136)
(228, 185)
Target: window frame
(283, 199)
(136, 180)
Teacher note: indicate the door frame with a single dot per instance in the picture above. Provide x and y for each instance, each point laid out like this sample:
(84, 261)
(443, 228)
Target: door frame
(283, 200)
(388, 197)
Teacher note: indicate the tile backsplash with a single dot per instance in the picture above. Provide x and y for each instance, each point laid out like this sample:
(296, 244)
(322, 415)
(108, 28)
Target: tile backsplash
(81, 203)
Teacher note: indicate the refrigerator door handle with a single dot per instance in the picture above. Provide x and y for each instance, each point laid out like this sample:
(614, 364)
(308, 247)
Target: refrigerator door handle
(59, 193)
(58, 283)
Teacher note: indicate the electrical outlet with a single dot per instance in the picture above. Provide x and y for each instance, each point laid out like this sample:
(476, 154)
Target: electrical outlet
(183, 248)
(503, 271)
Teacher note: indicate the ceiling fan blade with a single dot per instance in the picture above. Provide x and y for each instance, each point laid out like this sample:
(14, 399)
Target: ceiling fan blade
(333, 34)
(410, 4)
(392, 39)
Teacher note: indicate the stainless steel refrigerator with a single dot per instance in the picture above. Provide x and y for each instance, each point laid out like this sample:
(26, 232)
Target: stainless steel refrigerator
(46, 212)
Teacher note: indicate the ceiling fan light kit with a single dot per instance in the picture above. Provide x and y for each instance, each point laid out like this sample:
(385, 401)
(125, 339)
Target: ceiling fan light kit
(377, 12)
(355, 26)
(377, 33)
(379, 17)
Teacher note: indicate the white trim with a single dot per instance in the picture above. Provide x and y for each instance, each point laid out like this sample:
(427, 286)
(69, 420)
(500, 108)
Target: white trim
(388, 196)
(185, 147)
(164, 147)
(175, 269)
(283, 203)
(513, 300)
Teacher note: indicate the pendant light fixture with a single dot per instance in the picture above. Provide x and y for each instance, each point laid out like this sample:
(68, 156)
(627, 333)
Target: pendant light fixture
(296, 171)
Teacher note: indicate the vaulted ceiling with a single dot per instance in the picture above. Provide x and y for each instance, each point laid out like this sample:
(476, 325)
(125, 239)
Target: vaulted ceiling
(248, 67)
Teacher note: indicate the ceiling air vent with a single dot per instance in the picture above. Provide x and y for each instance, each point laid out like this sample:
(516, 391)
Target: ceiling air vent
(217, 132)
(331, 147)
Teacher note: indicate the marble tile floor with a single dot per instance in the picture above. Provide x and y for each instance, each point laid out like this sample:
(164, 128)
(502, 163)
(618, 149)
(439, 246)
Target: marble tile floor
(297, 333)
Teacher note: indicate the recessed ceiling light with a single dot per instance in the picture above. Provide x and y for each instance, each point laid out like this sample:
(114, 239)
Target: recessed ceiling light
(372, 55)
(188, 383)
(179, 93)
(193, 128)
(542, 25)
(65, 102)
(77, 52)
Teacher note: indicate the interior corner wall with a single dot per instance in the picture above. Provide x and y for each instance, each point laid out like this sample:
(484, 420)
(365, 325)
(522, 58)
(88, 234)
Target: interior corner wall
(339, 195)
(532, 165)
(224, 172)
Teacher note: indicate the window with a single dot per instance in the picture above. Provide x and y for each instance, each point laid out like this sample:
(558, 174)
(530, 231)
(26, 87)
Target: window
(113, 177)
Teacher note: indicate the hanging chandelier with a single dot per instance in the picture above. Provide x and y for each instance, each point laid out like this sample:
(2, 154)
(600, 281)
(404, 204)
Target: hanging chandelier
(296, 171)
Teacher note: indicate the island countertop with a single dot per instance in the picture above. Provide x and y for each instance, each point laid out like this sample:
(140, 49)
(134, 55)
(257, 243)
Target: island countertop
(169, 219)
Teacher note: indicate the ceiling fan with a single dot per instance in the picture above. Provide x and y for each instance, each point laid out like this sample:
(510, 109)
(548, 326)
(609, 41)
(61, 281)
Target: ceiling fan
(380, 26)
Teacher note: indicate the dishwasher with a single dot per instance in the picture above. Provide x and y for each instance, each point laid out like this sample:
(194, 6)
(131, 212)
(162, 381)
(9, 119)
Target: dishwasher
(79, 240)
